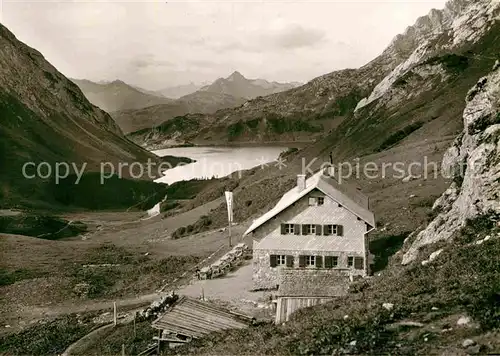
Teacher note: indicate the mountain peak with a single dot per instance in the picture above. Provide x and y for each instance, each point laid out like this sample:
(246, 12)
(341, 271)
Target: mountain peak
(236, 76)
(118, 82)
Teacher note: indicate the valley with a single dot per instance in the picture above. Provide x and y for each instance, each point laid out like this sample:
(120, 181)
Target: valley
(423, 116)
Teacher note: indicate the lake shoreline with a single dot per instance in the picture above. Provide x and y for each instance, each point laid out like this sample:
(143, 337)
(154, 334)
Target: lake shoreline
(288, 144)
(217, 161)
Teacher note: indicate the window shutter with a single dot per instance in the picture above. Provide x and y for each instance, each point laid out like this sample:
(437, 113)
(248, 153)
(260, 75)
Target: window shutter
(303, 229)
(282, 229)
(319, 261)
(328, 261)
(340, 230)
(289, 261)
(325, 229)
(296, 229)
(358, 262)
(272, 260)
(318, 229)
(350, 261)
(302, 261)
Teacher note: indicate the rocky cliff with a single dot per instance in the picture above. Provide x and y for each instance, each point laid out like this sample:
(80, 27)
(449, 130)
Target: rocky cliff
(460, 22)
(474, 163)
(46, 118)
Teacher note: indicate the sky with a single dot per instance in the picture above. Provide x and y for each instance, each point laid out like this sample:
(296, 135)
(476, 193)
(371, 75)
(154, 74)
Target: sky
(158, 44)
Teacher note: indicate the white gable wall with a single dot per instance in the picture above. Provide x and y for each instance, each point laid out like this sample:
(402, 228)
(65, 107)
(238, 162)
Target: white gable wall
(269, 241)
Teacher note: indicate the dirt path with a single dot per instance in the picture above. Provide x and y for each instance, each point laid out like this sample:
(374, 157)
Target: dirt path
(231, 290)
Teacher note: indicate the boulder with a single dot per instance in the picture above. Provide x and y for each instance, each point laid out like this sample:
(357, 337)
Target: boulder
(388, 306)
(463, 321)
(468, 342)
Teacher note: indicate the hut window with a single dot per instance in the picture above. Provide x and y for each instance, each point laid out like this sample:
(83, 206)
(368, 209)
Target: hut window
(308, 229)
(350, 261)
(287, 229)
(321, 200)
(329, 230)
(331, 261)
(310, 261)
(358, 263)
(280, 260)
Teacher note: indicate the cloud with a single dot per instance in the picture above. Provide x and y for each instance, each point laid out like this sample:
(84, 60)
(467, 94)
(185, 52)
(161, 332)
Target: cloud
(147, 61)
(155, 44)
(295, 36)
(276, 37)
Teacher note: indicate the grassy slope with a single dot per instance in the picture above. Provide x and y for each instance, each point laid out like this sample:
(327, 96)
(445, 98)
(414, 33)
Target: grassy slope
(421, 126)
(46, 118)
(50, 338)
(60, 264)
(414, 290)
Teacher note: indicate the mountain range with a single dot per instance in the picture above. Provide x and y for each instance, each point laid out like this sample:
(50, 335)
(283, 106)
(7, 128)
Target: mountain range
(175, 92)
(419, 79)
(118, 95)
(121, 99)
(237, 85)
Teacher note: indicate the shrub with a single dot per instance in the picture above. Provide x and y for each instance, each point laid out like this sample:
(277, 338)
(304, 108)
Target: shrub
(46, 338)
(10, 277)
(41, 226)
(289, 152)
(384, 247)
(454, 63)
(253, 123)
(399, 135)
(283, 125)
(343, 105)
(235, 130)
(479, 225)
(405, 78)
(168, 205)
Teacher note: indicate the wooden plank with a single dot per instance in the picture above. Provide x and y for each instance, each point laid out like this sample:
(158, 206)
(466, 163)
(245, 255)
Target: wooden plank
(193, 318)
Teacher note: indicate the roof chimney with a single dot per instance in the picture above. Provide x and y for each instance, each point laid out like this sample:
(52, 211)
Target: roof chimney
(301, 182)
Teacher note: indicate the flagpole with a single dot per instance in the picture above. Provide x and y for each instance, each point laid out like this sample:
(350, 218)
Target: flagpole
(229, 201)
(230, 244)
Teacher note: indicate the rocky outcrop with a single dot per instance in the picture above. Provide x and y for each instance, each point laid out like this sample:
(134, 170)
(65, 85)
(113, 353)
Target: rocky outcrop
(461, 21)
(45, 118)
(474, 163)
